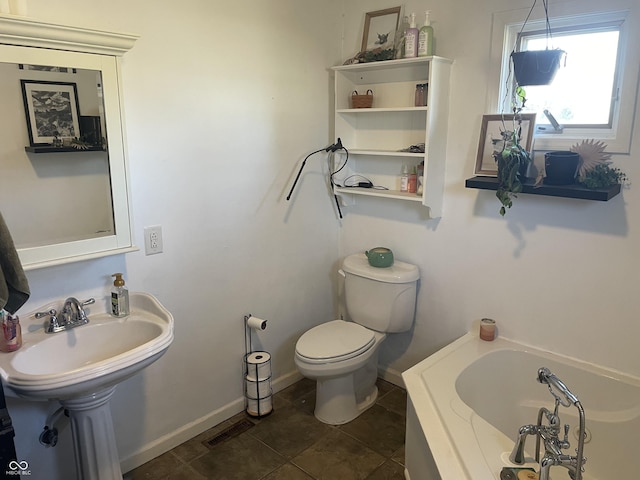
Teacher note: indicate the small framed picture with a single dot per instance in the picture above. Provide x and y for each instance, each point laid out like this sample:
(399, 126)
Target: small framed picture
(380, 29)
(51, 109)
(496, 129)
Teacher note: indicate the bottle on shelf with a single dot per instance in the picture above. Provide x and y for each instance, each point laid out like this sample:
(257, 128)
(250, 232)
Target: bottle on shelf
(411, 39)
(412, 184)
(404, 179)
(421, 95)
(425, 37)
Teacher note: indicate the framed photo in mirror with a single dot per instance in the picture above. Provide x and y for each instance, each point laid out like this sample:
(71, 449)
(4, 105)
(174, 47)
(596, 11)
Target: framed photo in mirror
(51, 109)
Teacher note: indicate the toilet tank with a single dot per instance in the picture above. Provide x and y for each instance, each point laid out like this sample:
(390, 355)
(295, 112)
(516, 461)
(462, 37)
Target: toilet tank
(382, 299)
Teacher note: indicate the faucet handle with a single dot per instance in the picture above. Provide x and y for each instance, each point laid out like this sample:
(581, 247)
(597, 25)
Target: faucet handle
(51, 313)
(54, 326)
(88, 302)
(565, 441)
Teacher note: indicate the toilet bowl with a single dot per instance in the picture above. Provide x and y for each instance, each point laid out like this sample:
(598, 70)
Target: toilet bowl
(342, 356)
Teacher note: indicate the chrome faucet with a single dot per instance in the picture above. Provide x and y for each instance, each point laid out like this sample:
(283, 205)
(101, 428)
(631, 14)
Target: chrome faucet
(549, 434)
(71, 316)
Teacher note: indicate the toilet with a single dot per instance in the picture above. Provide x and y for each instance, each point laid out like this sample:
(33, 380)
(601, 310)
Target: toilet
(342, 356)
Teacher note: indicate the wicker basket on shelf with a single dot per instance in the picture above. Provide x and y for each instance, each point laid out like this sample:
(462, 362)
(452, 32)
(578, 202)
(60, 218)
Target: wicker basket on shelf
(362, 101)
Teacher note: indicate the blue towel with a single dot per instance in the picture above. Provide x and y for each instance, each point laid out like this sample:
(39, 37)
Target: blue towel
(14, 287)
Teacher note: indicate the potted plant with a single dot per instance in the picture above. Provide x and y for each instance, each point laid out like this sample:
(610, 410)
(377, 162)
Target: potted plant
(537, 67)
(513, 159)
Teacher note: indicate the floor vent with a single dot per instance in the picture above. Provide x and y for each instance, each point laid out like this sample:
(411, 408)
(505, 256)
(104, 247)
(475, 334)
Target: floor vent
(229, 432)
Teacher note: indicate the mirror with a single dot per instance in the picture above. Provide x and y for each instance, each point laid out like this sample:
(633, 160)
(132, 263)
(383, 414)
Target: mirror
(64, 193)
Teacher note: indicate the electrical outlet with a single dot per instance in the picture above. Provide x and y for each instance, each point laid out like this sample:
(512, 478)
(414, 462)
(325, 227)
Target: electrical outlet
(152, 240)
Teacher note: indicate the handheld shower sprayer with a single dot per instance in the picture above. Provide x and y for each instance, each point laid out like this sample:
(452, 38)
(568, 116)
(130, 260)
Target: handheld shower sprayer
(556, 385)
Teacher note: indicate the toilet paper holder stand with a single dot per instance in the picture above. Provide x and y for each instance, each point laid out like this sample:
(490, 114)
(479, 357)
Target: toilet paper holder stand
(256, 376)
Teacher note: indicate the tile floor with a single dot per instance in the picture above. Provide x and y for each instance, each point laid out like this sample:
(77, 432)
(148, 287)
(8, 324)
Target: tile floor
(291, 444)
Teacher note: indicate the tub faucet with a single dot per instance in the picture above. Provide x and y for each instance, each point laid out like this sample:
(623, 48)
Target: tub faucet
(549, 434)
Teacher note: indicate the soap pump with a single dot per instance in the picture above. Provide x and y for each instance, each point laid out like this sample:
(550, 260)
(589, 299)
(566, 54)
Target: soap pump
(119, 297)
(425, 37)
(411, 39)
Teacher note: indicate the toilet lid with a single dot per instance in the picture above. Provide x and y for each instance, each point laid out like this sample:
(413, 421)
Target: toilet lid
(334, 341)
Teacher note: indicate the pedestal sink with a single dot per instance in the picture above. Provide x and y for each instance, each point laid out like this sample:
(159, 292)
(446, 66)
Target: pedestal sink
(81, 368)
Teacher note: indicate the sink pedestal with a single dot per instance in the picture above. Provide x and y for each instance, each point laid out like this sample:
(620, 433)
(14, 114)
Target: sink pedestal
(94, 440)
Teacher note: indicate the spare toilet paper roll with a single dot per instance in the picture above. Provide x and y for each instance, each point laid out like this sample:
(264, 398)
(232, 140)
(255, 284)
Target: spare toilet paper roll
(258, 366)
(258, 389)
(257, 323)
(264, 404)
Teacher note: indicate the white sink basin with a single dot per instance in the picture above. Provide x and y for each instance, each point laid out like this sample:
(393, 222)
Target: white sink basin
(88, 358)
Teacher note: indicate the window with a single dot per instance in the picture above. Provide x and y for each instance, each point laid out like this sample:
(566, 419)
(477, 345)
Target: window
(594, 95)
(583, 93)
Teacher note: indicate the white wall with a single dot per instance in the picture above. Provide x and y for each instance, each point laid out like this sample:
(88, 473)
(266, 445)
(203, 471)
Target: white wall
(222, 100)
(557, 273)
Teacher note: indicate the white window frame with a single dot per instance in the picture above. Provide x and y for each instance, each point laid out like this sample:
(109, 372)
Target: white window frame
(507, 25)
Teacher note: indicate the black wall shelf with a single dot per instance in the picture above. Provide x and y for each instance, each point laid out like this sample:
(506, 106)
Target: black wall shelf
(52, 149)
(566, 191)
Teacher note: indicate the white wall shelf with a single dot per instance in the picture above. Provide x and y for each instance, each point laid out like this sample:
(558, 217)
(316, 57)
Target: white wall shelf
(375, 137)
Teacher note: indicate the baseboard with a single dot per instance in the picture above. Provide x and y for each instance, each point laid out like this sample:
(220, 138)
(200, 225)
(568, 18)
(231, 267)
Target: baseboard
(392, 376)
(165, 443)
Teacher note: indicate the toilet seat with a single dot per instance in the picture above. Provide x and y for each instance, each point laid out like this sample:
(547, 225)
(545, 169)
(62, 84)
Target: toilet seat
(334, 341)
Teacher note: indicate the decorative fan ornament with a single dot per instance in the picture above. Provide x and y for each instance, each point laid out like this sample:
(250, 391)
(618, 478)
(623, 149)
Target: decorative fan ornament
(592, 153)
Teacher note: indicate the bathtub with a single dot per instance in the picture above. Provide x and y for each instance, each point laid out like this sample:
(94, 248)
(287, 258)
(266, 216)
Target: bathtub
(467, 401)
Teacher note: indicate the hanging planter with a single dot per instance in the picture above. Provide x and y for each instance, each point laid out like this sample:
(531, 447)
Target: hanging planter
(536, 67)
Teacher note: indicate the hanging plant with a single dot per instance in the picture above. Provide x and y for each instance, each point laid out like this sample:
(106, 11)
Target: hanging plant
(537, 67)
(514, 159)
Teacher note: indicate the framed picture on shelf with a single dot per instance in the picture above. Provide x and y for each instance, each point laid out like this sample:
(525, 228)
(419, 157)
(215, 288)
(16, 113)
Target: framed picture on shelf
(496, 129)
(51, 109)
(380, 29)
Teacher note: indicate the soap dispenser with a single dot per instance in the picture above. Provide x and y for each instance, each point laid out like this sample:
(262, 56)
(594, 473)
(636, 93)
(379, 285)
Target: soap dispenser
(119, 297)
(411, 39)
(425, 37)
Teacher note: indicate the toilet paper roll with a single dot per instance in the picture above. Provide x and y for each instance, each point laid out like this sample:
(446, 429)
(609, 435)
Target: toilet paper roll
(259, 407)
(258, 389)
(258, 366)
(257, 323)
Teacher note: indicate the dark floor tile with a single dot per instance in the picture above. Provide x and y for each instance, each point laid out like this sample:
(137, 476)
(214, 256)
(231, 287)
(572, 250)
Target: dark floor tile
(399, 455)
(185, 472)
(379, 429)
(338, 456)
(395, 400)
(240, 458)
(384, 387)
(297, 390)
(288, 471)
(156, 469)
(195, 447)
(289, 431)
(389, 470)
(307, 402)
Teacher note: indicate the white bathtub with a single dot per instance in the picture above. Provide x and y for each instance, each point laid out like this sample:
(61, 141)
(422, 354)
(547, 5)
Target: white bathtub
(467, 401)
